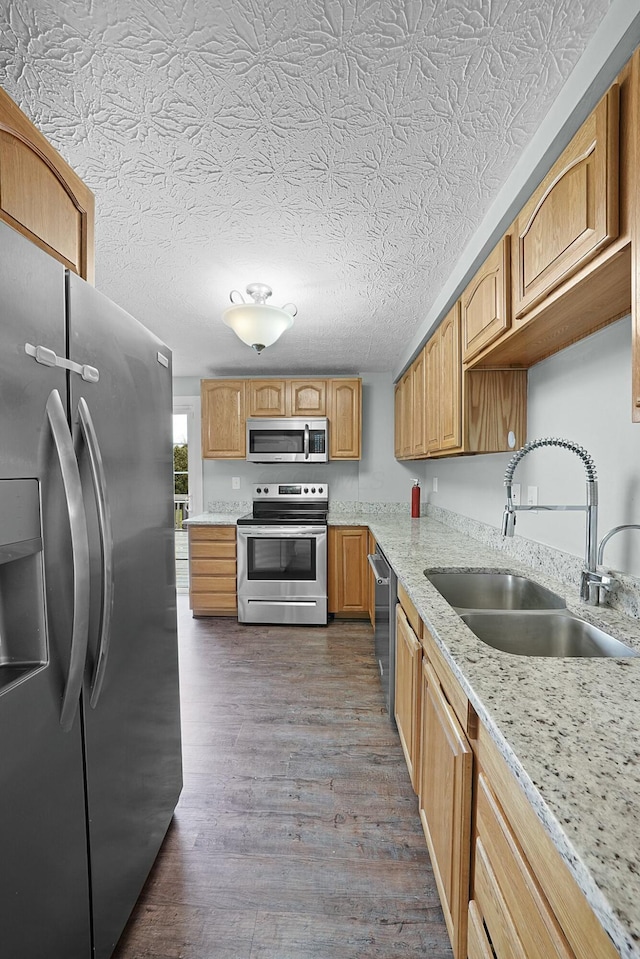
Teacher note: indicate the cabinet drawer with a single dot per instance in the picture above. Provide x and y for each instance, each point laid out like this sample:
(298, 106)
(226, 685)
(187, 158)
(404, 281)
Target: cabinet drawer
(410, 611)
(212, 533)
(212, 550)
(213, 567)
(213, 584)
(508, 895)
(210, 602)
(452, 689)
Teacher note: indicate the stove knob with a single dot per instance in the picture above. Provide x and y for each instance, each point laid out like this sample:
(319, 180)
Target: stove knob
(306, 489)
(266, 489)
(258, 490)
(320, 489)
(313, 489)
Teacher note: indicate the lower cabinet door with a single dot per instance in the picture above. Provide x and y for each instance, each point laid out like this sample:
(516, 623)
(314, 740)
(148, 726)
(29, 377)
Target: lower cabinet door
(445, 805)
(519, 920)
(407, 700)
(478, 945)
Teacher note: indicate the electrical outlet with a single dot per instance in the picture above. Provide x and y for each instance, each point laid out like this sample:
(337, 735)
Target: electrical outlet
(532, 497)
(235, 482)
(435, 484)
(515, 494)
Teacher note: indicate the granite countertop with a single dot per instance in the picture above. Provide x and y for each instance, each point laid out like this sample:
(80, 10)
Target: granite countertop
(214, 519)
(568, 728)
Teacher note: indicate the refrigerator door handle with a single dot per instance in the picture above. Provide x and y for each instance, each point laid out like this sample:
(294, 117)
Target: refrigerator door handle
(106, 546)
(80, 556)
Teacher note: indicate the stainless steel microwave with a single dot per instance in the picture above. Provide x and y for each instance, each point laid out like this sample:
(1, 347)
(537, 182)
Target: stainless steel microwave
(291, 439)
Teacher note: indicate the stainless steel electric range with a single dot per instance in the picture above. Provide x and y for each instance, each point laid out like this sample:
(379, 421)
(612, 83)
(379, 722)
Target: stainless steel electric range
(282, 555)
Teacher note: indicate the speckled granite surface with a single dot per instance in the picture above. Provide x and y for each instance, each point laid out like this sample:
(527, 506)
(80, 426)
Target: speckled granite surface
(568, 728)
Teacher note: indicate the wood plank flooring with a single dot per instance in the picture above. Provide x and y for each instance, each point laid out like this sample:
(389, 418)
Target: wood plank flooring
(297, 834)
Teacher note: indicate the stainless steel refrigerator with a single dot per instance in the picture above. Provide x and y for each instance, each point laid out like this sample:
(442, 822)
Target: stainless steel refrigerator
(90, 760)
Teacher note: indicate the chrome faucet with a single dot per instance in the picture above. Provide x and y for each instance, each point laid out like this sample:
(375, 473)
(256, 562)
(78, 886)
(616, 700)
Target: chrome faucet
(610, 583)
(591, 582)
(605, 539)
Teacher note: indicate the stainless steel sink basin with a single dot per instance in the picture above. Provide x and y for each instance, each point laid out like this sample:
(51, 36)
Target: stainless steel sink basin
(471, 590)
(544, 634)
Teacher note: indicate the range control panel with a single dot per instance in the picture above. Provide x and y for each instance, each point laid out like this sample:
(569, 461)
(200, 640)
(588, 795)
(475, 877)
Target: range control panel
(291, 491)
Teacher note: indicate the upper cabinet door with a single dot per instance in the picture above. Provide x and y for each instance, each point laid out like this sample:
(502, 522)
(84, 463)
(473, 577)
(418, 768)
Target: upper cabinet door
(267, 397)
(574, 211)
(41, 196)
(223, 419)
(308, 397)
(450, 381)
(345, 419)
(486, 307)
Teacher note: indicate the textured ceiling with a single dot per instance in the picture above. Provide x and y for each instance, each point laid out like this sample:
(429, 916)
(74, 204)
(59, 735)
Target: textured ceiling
(342, 151)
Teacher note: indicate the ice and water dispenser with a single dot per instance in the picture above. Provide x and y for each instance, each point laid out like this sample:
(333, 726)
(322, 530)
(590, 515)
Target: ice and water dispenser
(23, 635)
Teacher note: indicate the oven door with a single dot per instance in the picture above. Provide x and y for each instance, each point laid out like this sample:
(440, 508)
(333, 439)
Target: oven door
(282, 574)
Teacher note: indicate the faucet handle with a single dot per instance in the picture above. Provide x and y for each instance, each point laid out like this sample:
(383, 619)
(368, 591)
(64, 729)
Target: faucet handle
(596, 587)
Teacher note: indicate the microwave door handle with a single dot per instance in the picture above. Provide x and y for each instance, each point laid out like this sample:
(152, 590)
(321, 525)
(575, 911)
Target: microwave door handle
(306, 441)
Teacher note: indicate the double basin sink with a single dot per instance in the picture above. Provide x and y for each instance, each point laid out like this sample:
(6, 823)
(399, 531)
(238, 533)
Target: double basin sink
(516, 615)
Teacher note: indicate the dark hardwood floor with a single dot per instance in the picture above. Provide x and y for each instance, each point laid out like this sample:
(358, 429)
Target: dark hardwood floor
(297, 834)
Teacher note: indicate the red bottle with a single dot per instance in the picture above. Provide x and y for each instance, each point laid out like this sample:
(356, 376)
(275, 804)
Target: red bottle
(415, 498)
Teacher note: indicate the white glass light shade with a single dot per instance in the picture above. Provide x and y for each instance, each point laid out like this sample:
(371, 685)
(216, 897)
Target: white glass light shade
(257, 324)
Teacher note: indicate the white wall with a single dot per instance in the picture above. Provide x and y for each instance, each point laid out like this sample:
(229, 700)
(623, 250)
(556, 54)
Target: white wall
(376, 478)
(583, 394)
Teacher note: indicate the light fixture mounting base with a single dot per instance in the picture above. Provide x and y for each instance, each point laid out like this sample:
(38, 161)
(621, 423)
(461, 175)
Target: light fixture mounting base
(259, 292)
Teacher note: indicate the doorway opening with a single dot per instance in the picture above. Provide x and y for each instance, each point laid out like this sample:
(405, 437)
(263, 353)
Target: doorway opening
(181, 498)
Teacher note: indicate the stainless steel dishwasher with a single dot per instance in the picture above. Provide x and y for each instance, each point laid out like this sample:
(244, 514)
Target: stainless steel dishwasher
(385, 629)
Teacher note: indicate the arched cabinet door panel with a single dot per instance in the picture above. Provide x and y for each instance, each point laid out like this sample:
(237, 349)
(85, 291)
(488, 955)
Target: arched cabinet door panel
(574, 212)
(41, 196)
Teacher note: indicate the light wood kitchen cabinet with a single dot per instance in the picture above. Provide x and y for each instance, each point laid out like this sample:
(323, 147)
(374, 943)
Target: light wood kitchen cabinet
(212, 570)
(467, 411)
(433, 395)
(348, 571)
(418, 406)
(224, 419)
(274, 397)
(403, 418)
(523, 898)
(574, 211)
(444, 393)
(574, 241)
(407, 692)
(226, 404)
(486, 302)
(345, 419)
(267, 397)
(41, 196)
(307, 398)
(445, 792)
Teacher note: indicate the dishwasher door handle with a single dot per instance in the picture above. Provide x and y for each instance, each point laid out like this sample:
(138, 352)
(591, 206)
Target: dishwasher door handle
(380, 569)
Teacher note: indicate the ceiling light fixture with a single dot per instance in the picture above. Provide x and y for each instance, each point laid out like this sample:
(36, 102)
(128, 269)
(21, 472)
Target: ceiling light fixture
(257, 324)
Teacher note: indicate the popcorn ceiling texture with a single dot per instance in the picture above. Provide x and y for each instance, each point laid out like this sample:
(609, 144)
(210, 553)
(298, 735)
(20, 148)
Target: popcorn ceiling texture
(342, 151)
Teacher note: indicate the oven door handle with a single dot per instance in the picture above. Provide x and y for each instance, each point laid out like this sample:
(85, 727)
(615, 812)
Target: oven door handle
(281, 532)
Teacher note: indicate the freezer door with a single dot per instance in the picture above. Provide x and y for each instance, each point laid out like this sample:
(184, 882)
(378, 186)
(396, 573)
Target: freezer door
(44, 895)
(131, 700)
